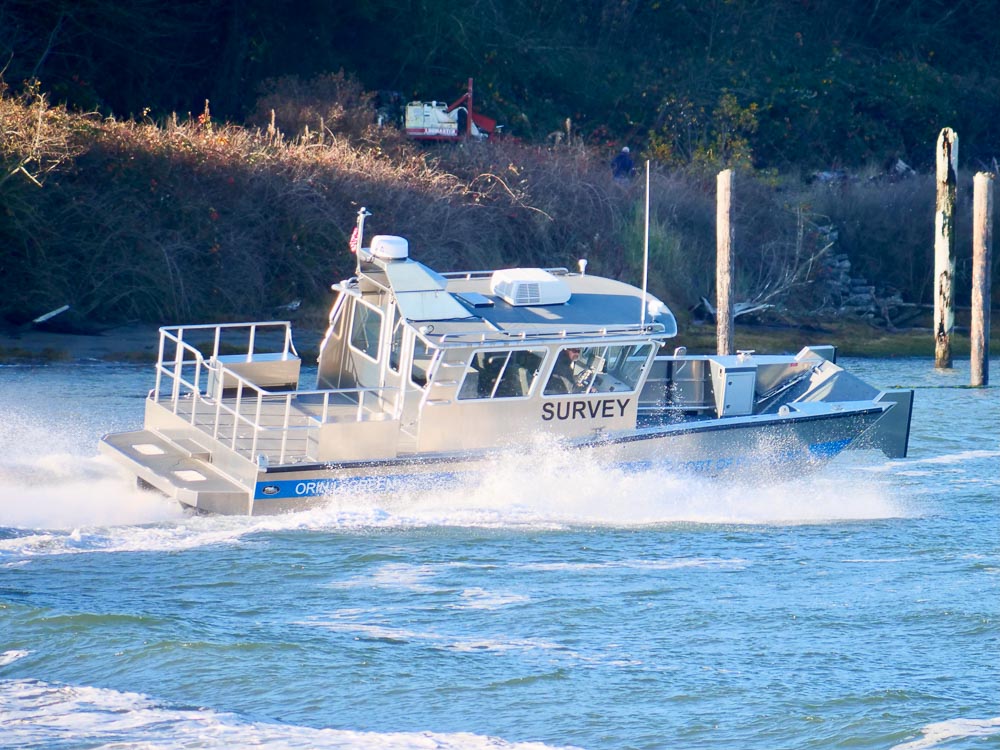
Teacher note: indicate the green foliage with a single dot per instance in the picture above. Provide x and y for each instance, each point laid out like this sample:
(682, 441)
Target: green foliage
(719, 83)
(721, 139)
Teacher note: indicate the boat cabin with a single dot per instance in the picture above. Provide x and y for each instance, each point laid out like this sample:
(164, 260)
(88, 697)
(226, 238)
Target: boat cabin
(462, 361)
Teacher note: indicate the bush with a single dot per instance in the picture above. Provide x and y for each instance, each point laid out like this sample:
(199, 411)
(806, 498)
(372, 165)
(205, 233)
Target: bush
(334, 104)
(195, 220)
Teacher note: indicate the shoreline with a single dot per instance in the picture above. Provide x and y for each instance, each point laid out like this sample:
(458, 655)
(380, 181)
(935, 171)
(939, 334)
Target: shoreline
(139, 343)
(129, 343)
(136, 343)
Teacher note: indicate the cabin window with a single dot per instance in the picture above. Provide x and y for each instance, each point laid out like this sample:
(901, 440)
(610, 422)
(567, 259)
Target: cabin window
(501, 374)
(366, 329)
(597, 369)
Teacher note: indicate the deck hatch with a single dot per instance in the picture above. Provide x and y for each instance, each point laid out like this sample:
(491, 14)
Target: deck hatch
(189, 475)
(475, 299)
(148, 449)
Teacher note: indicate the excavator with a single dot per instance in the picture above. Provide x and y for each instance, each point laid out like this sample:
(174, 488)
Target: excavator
(437, 121)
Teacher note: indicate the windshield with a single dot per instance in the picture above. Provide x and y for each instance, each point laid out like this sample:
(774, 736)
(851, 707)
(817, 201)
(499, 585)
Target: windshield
(594, 369)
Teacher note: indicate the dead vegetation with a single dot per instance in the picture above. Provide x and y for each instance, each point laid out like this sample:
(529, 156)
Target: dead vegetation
(189, 219)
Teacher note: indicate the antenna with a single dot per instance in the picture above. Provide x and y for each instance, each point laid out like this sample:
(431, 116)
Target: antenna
(645, 252)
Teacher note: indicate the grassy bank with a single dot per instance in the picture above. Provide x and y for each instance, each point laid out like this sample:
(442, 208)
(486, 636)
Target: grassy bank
(136, 344)
(852, 339)
(192, 220)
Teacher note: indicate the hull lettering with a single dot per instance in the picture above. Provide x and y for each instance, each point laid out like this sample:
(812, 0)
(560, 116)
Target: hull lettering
(606, 408)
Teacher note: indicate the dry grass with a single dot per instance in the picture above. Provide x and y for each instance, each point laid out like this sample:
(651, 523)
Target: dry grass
(192, 220)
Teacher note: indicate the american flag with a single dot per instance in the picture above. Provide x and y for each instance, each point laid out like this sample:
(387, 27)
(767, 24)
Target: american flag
(354, 241)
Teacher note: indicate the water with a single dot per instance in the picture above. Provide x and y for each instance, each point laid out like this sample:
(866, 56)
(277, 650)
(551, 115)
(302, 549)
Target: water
(550, 605)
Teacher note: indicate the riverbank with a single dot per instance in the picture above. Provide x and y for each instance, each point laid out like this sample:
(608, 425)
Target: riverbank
(132, 343)
(852, 339)
(138, 343)
(135, 343)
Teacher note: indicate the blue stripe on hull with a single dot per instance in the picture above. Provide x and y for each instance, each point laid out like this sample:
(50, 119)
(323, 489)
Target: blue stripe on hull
(386, 483)
(817, 452)
(375, 483)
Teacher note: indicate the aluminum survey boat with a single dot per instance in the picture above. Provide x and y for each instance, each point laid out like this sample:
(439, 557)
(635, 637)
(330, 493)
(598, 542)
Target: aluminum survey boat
(423, 377)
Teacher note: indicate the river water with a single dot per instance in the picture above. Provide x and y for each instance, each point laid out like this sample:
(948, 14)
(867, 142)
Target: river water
(549, 605)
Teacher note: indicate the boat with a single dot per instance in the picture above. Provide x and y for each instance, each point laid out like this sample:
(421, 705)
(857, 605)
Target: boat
(425, 377)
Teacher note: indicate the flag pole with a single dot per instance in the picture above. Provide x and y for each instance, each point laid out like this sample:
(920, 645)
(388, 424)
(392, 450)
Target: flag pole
(358, 235)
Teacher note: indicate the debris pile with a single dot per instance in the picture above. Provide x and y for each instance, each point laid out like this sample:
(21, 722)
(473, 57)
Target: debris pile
(844, 294)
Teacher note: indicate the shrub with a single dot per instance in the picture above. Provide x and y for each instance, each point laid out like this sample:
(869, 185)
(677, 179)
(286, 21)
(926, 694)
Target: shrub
(333, 104)
(192, 220)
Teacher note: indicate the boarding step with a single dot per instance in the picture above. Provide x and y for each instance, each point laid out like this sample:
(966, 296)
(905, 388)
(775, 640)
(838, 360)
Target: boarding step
(175, 472)
(187, 445)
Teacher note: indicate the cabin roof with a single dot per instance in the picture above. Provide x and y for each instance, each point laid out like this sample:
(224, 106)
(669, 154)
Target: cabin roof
(595, 302)
(464, 304)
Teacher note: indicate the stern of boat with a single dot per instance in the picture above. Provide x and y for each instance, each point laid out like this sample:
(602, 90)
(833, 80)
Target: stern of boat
(178, 467)
(891, 434)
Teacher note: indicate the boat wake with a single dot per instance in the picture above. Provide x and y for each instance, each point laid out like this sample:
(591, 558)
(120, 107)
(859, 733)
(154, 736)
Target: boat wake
(69, 504)
(37, 714)
(67, 491)
(545, 487)
(945, 733)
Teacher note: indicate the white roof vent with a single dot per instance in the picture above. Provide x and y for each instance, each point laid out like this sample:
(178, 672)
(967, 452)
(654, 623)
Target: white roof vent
(529, 286)
(389, 247)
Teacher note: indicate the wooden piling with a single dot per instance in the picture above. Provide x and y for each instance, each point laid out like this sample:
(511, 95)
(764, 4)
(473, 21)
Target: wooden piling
(944, 246)
(724, 315)
(982, 242)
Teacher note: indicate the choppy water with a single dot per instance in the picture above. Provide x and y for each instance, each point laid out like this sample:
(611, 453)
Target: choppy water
(551, 605)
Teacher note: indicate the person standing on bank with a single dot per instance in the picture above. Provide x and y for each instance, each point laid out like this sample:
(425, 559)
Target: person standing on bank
(621, 165)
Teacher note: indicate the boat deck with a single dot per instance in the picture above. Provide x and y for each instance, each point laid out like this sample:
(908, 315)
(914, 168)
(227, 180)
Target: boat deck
(284, 428)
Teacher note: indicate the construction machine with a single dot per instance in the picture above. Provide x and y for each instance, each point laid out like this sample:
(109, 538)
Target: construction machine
(437, 121)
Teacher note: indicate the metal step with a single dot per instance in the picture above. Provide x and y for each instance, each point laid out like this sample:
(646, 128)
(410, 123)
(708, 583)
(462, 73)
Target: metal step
(177, 471)
(188, 445)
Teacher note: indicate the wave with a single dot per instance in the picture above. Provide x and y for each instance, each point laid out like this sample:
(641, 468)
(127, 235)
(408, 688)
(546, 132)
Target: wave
(359, 623)
(41, 714)
(69, 504)
(955, 458)
(9, 657)
(944, 732)
(674, 564)
(66, 491)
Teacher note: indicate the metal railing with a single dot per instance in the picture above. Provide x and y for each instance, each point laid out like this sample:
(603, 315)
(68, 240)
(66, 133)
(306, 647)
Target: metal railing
(468, 275)
(182, 348)
(209, 389)
(626, 331)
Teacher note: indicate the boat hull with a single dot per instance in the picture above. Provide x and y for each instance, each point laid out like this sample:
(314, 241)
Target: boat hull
(235, 433)
(764, 448)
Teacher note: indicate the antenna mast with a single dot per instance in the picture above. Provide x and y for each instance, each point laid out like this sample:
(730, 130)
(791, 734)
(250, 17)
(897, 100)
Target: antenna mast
(645, 252)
